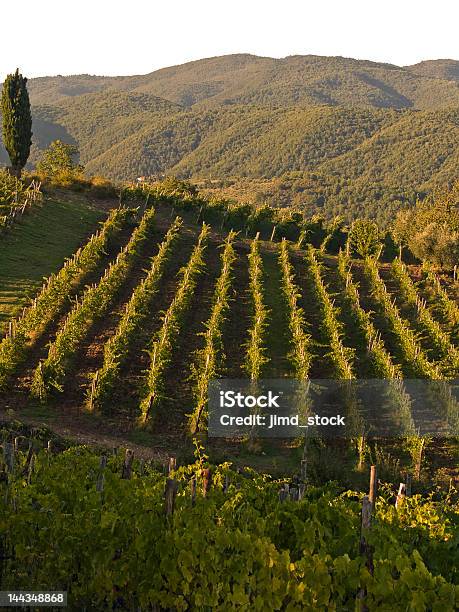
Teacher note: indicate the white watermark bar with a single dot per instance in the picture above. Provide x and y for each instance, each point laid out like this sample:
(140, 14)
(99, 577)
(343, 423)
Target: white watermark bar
(286, 408)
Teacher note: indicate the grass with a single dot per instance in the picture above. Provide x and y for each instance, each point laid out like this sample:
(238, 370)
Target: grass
(37, 246)
(277, 332)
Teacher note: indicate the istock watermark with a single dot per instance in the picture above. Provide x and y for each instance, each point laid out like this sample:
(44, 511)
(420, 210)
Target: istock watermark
(280, 408)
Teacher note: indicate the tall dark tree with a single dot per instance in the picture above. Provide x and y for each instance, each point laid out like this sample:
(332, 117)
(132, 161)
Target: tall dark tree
(17, 121)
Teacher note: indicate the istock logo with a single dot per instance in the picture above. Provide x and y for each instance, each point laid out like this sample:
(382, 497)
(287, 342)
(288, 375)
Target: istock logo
(230, 399)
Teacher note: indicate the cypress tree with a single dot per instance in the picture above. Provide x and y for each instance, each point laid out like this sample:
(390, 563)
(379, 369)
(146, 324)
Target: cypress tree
(17, 121)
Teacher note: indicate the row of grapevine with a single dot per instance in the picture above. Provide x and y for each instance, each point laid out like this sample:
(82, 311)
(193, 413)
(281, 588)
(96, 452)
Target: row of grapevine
(381, 359)
(300, 355)
(95, 302)
(15, 198)
(439, 339)
(55, 293)
(383, 365)
(118, 348)
(171, 327)
(341, 356)
(72, 525)
(407, 339)
(439, 392)
(448, 307)
(256, 350)
(211, 355)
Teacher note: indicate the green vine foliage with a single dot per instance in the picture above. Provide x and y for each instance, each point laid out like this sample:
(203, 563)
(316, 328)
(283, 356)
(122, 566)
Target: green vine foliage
(50, 373)
(238, 548)
(118, 348)
(172, 324)
(55, 294)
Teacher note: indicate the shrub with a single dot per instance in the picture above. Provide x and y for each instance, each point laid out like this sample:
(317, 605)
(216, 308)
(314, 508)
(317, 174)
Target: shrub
(431, 229)
(364, 238)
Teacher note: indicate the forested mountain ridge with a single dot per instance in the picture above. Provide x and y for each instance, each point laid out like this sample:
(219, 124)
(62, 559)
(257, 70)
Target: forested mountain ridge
(441, 69)
(327, 134)
(248, 79)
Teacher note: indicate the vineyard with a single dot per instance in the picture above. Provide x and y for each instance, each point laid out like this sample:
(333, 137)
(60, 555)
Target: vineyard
(118, 348)
(150, 309)
(117, 533)
(15, 198)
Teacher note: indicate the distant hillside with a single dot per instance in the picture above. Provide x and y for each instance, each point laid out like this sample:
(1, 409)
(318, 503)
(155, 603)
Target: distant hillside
(96, 122)
(240, 141)
(351, 134)
(440, 69)
(248, 79)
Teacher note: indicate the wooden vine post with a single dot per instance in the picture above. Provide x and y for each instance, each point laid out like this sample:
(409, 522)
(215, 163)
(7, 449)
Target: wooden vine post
(193, 490)
(284, 492)
(400, 495)
(373, 486)
(127, 465)
(206, 481)
(170, 493)
(368, 504)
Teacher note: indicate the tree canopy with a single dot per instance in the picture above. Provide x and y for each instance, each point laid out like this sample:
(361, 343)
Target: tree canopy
(17, 121)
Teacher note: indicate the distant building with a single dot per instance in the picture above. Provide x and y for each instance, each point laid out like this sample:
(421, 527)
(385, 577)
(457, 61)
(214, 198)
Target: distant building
(152, 178)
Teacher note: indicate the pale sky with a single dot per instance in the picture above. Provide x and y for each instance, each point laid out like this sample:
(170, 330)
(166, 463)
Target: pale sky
(113, 37)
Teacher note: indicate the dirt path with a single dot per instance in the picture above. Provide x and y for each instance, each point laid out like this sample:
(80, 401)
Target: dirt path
(75, 429)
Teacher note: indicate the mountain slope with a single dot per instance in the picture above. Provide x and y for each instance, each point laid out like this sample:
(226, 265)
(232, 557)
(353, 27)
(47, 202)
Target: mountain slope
(337, 135)
(244, 78)
(441, 69)
(238, 140)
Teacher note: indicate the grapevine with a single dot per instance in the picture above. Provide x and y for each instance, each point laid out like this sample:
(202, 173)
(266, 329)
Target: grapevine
(95, 302)
(341, 356)
(300, 355)
(118, 349)
(54, 294)
(382, 361)
(448, 307)
(172, 324)
(408, 341)
(255, 356)
(209, 358)
(439, 339)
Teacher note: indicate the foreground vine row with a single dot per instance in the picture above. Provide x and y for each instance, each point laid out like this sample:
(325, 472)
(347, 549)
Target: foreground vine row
(231, 545)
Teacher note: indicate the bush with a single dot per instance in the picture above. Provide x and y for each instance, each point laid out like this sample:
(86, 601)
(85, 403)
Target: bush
(436, 244)
(431, 229)
(364, 238)
(59, 158)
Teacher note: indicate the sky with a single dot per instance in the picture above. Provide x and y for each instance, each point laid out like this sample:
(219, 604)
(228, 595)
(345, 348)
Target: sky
(138, 36)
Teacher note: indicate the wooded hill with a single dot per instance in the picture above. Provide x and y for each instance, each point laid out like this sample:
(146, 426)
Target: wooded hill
(337, 135)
